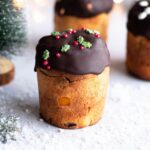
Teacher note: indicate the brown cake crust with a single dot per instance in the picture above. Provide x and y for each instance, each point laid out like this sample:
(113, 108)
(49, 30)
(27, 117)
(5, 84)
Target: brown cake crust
(7, 71)
(138, 56)
(99, 23)
(72, 101)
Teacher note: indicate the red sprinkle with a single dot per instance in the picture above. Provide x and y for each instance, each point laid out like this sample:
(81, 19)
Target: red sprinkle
(58, 55)
(82, 47)
(48, 67)
(45, 63)
(65, 35)
(69, 32)
(83, 28)
(75, 43)
(74, 31)
(57, 37)
(97, 35)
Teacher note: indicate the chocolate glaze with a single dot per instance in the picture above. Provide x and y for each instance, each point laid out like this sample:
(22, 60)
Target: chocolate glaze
(138, 24)
(76, 61)
(83, 8)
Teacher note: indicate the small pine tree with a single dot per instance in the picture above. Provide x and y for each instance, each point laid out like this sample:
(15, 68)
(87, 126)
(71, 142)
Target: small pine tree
(12, 25)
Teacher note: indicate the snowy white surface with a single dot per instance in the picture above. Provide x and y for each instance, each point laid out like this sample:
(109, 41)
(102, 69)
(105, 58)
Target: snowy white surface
(126, 121)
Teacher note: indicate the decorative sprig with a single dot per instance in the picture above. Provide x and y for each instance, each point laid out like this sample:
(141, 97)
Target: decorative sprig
(84, 43)
(65, 48)
(92, 31)
(46, 54)
(87, 44)
(89, 31)
(55, 33)
(80, 39)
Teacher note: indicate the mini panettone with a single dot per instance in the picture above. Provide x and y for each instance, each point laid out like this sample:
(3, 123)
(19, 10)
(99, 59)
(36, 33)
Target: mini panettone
(93, 14)
(7, 71)
(73, 75)
(138, 43)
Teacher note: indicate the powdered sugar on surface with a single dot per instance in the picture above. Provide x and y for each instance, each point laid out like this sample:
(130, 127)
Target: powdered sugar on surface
(126, 121)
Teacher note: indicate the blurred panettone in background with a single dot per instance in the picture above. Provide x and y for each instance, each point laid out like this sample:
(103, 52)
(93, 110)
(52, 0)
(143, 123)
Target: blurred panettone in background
(128, 3)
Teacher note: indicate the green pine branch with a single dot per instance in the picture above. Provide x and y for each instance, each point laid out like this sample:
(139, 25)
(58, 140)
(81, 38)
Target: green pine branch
(12, 26)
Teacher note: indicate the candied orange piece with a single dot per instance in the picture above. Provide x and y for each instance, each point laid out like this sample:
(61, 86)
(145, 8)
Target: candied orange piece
(64, 101)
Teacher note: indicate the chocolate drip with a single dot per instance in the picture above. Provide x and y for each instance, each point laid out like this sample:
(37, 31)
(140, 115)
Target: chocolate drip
(83, 8)
(139, 19)
(91, 60)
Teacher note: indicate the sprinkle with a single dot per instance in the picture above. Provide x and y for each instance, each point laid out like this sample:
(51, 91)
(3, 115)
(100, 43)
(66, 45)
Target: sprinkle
(58, 55)
(65, 48)
(97, 35)
(65, 35)
(142, 16)
(92, 31)
(84, 43)
(80, 39)
(82, 47)
(62, 11)
(89, 6)
(48, 67)
(75, 43)
(89, 31)
(87, 44)
(147, 10)
(69, 32)
(82, 28)
(45, 63)
(57, 37)
(55, 33)
(46, 54)
(74, 31)
(143, 3)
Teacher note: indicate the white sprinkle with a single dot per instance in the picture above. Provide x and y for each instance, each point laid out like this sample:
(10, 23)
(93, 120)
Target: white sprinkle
(89, 6)
(143, 3)
(147, 10)
(142, 16)
(62, 11)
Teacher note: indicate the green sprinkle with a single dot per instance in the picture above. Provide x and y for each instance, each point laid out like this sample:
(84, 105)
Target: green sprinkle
(92, 31)
(46, 54)
(80, 39)
(89, 31)
(84, 43)
(87, 44)
(65, 48)
(55, 33)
